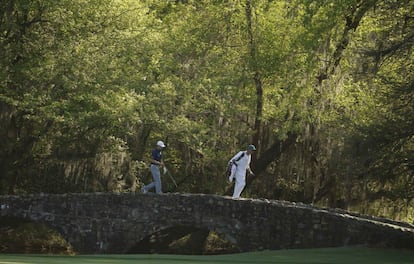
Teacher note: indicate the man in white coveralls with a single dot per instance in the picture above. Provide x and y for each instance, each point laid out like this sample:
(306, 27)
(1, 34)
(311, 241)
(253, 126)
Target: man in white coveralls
(241, 164)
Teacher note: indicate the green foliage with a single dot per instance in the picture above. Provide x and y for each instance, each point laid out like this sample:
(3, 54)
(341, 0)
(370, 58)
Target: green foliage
(88, 87)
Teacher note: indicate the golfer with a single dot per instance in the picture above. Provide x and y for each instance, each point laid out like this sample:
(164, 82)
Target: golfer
(157, 164)
(241, 164)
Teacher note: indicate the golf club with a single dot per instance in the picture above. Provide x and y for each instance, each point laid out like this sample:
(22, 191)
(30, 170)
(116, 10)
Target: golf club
(166, 171)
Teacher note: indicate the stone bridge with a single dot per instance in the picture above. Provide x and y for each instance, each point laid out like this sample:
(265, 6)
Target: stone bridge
(115, 223)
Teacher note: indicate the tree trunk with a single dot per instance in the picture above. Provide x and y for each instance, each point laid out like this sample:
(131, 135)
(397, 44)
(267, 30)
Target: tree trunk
(256, 77)
(352, 22)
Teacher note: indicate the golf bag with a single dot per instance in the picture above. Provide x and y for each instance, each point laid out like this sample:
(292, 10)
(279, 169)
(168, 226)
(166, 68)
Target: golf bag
(230, 164)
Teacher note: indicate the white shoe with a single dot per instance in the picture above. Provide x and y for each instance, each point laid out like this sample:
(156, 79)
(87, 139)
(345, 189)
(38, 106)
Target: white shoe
(143, 190)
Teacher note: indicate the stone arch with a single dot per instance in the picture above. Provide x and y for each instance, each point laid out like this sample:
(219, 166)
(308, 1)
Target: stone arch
(185, 239)
(49, 238)
(112, 223)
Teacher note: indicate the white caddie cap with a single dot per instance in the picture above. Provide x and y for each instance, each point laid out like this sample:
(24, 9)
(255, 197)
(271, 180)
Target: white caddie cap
(160, 144)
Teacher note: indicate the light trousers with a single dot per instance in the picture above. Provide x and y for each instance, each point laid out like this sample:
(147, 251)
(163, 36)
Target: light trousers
(240, 183)
(156, 175)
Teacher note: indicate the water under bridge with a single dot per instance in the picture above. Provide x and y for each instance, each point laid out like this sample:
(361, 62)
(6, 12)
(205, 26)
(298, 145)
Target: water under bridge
(115, 223)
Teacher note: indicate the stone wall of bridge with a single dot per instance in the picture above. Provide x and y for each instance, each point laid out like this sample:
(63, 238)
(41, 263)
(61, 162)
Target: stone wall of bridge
(114, 223)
